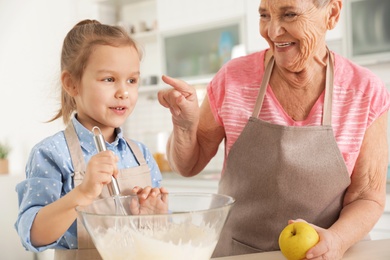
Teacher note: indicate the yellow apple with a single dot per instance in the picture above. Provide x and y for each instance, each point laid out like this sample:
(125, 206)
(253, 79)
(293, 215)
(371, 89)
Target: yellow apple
(296, 239)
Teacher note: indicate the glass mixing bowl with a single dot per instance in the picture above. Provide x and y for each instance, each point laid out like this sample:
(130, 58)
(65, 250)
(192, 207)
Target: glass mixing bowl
(189, 230)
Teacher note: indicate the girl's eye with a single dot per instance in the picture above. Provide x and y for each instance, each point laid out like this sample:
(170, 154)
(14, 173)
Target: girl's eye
(109, 79)
(132, 81)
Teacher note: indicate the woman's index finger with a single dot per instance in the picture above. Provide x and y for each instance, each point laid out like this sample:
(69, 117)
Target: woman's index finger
(178, 85)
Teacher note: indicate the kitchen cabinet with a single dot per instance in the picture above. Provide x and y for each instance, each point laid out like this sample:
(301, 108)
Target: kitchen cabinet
(199, 53)
(104, 12)
(179, 14)
(140, 18)
(192, 33)
(367, 31)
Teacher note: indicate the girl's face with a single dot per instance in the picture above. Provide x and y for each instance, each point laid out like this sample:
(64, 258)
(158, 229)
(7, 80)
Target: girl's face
(295, 31)
(108, 90)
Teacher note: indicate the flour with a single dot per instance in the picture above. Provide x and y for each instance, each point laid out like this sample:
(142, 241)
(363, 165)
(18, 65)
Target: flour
(170, 242)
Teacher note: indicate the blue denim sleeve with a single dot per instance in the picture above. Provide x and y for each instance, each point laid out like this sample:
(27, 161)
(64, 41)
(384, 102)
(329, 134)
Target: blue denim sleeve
(45, 183)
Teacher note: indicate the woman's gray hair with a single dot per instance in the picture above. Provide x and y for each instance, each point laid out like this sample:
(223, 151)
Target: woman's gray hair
(321, 3)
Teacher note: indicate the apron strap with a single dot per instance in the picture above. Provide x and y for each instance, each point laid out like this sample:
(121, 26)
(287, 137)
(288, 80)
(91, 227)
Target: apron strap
(263, 88)
(327, 110)
(76, 154)
(327, 113)
(137, 152)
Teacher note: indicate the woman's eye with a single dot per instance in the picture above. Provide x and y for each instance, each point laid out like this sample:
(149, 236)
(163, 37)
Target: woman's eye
(290, 15)
(264, 16)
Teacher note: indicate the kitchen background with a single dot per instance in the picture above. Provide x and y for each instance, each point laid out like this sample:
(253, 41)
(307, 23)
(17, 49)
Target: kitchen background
(182, 38)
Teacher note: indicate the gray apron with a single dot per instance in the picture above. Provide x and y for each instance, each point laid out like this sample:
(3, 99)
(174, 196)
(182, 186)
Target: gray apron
(127, 179)
(277, 173)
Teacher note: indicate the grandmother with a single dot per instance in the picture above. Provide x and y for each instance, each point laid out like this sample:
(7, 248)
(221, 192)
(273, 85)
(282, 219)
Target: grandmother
(304, 131)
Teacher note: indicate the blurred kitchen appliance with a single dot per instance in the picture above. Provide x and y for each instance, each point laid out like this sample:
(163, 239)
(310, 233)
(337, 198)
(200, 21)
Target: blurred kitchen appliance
(368, 31)
(160, 154)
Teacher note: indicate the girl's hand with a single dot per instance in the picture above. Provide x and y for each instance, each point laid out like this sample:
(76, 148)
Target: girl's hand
(150, 201)
(99, 171)
(329, 246)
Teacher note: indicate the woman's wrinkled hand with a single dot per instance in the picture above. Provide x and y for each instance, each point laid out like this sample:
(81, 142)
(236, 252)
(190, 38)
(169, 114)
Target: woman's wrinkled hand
(182, 102)
(329, 247)
(150, 201)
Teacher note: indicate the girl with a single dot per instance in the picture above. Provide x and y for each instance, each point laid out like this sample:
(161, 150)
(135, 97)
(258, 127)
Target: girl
(100, 70)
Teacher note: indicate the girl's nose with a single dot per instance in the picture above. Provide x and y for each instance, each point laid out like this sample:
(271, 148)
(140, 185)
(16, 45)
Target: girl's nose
(122, 94)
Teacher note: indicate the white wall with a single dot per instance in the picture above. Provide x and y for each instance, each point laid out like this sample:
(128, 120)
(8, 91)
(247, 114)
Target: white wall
(31, 34)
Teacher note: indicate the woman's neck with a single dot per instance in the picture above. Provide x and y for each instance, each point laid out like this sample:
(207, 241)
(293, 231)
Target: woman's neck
(298, 92)
(308, 79)
(312, 76)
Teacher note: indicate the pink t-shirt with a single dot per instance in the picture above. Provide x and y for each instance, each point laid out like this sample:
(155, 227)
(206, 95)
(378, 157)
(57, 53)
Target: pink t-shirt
(359, 98)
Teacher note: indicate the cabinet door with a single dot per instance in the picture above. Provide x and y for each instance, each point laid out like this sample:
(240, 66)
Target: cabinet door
(177, 14)
(255, 41)
(201, 53)
(94, 10)
(381, 229)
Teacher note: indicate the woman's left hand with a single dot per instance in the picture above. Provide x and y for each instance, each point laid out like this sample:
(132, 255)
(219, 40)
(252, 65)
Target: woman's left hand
(329, 246)
(150, 201)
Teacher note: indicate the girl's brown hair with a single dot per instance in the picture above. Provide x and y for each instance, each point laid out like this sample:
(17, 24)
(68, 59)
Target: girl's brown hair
(76, 49)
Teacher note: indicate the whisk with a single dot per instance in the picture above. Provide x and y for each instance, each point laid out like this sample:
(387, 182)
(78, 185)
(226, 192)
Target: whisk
(113, 187)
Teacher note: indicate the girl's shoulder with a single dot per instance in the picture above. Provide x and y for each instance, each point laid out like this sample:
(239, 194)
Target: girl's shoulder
(53, 143)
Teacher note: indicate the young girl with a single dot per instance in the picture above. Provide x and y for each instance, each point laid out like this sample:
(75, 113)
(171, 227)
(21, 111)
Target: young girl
(100, 67)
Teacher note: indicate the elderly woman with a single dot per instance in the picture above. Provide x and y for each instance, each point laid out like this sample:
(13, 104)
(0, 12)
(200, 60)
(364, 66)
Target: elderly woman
(304, 132)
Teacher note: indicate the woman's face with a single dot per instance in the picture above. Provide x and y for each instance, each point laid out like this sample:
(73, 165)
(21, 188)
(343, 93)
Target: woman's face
(108, 89)
(295, 31)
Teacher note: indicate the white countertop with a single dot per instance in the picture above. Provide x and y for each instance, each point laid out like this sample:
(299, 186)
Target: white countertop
(374, 249)
(203, 182)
